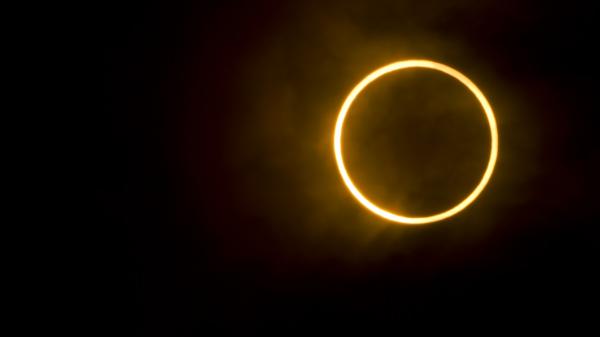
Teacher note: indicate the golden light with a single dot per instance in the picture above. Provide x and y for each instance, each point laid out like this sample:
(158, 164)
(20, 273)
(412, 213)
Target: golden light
(337, 141)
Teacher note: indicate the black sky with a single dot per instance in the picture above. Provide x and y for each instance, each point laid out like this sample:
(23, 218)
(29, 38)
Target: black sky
(221, 177)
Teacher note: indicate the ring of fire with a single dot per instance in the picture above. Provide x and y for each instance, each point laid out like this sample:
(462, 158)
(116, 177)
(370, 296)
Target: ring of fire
(337, 141)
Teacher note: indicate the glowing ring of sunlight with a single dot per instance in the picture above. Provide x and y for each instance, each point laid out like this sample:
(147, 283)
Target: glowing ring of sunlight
(337, 140)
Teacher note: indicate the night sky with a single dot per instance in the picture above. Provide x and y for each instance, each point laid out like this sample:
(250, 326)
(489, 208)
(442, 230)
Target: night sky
(221, 180)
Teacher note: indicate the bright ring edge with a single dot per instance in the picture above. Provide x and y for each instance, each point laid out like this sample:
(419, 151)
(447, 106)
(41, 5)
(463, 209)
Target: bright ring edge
(337, 141)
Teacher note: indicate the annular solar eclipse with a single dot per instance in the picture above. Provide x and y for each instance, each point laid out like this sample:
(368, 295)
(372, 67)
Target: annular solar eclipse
(345, 109)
